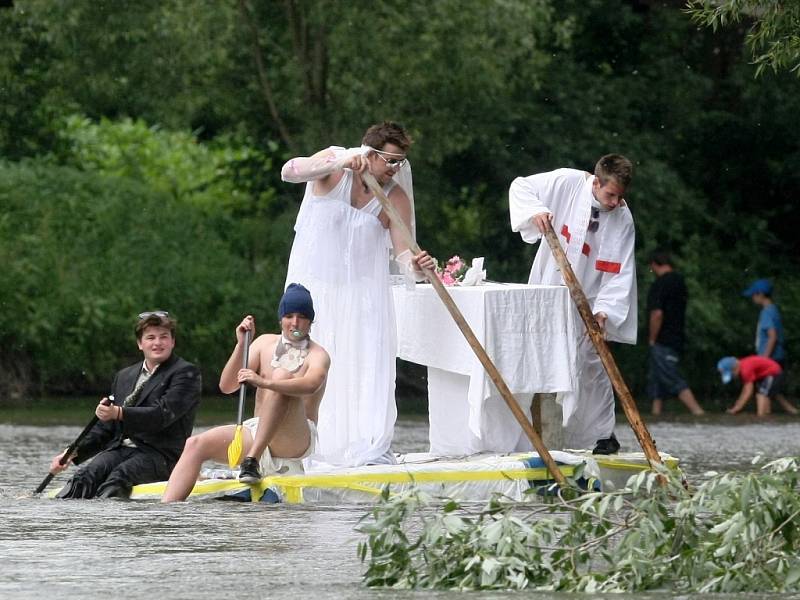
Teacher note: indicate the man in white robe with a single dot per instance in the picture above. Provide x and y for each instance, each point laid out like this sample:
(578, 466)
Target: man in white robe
(341, 254)
(596, 231)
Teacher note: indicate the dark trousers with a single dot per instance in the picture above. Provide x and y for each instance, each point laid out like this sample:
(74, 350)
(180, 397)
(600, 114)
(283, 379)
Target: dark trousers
(112, 473)
(664, 378)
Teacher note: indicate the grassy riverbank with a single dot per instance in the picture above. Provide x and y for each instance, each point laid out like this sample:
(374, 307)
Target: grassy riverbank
(75, 410)
(78, 410)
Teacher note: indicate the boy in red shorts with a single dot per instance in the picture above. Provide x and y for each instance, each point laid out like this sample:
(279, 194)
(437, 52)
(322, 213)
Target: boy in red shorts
(758, 373)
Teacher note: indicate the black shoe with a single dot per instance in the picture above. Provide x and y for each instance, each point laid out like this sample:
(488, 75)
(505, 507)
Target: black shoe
(248, 472)
(118, 492)
(608, 445)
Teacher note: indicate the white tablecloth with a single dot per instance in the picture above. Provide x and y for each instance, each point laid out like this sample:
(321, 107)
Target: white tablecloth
(528, 331)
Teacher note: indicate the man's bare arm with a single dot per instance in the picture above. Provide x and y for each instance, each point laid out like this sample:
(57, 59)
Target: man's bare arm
(772, 341)
(744, 398)
(656, 320)
(312, 380)
(228, 381)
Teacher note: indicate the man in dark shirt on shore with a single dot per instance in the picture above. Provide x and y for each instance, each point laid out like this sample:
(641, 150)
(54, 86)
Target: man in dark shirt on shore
(666, 309)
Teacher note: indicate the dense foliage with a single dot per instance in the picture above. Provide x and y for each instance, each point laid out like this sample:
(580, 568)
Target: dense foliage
(194, 107)
(734, 533)
(773, 35)
(84, 254)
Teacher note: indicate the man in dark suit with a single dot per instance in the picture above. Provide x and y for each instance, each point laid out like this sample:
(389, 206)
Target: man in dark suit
(144, 423)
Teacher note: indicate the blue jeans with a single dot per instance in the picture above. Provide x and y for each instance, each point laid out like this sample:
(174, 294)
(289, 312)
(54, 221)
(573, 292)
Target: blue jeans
(664, 379)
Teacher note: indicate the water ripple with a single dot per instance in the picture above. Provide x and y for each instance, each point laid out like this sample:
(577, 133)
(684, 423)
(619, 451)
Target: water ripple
(106, 548)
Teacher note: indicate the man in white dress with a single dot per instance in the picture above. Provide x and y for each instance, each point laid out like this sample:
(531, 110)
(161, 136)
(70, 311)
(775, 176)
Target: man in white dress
(595, 228)
(341, 253)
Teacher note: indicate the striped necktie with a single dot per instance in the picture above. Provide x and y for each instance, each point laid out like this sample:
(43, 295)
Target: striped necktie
(137, 391)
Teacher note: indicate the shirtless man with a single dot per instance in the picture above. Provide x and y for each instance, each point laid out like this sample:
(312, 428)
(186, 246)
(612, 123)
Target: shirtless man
(289, 372)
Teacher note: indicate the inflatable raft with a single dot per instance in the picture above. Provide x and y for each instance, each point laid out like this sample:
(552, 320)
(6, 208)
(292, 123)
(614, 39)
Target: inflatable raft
(472, 478)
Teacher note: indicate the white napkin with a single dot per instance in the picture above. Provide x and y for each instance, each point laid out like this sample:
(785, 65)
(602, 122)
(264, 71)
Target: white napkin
(475, 275)
(289, 355)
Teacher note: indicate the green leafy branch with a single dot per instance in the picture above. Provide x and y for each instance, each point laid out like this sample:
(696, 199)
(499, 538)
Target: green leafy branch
(774, 34)
(735, 533)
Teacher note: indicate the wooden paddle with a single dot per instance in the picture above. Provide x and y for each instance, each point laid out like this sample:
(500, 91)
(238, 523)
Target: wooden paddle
(480, 352)
(624, 394)
(68, 452)
(235, 447)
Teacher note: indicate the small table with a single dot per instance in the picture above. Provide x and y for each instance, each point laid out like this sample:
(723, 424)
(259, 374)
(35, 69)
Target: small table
(529, 332)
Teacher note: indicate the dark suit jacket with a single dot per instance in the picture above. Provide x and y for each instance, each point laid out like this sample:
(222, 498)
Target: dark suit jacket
(161, 419)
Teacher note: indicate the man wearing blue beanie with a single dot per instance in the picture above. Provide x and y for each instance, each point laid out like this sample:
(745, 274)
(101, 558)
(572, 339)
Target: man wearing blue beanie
(296, 299)
(289, 371)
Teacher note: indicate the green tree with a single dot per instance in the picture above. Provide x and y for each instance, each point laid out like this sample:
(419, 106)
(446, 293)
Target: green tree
(123, 217)
(226, 177)
(491, 90)
(85, 253)
(773, 36)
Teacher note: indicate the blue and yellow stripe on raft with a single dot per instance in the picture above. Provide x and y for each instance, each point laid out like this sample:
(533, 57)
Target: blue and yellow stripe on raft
(290, 487)
(370, 480)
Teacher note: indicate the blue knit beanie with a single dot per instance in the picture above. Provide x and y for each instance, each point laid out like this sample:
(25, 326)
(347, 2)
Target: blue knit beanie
(296, 299)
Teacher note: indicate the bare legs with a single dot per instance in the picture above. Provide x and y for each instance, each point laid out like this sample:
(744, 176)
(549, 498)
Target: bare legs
(282, 426)
(271, 412)
(687, 397)
(282, 423)
(763, 405)
(210, 445)
(785, 404)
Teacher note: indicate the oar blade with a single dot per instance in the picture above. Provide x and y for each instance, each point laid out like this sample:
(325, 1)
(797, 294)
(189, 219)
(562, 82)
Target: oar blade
(235, 448)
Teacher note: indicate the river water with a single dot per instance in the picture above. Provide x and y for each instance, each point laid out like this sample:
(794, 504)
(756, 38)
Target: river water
(110, 549)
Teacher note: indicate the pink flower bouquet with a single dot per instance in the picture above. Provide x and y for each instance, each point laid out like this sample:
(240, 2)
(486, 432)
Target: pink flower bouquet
(453, 271)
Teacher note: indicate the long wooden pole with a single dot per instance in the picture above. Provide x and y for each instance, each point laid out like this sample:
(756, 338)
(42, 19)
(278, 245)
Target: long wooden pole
(480, 352)
(624, 394)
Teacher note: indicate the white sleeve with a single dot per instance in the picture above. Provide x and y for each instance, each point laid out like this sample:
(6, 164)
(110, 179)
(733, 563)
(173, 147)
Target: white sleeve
(526, 198)
(309, 168)
(404, 260)
(617, 296)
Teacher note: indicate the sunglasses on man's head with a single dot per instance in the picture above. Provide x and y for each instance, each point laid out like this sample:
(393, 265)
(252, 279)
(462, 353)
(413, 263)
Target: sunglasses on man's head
(153, 313)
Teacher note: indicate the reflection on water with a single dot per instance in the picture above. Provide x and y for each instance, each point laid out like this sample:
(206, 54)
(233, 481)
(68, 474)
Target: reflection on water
(106, 548)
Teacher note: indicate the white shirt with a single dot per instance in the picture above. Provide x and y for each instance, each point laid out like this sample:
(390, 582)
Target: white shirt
(603, 261)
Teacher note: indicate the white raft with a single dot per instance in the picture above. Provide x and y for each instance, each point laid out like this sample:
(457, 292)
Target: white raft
(473, 479)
